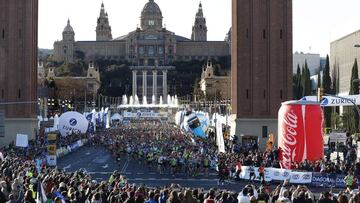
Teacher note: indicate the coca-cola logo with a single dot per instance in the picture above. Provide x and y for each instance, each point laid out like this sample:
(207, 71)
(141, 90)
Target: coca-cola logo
(289, 133)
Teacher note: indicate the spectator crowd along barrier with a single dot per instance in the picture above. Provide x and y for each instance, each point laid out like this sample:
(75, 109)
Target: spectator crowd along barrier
(315, 179)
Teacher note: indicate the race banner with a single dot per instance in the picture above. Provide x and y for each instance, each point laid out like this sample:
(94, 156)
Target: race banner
(300, 177)
(51, 149)
(328, 180)
(335, 101)
(245, 173)
(51, 160)
(278, 174)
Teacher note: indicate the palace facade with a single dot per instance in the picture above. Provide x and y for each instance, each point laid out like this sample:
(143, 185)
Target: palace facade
(150, 44)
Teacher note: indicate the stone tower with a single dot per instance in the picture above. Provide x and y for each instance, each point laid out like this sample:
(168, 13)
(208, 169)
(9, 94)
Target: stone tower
(199, 30)
(18, 68)
(261, 64)
(208, 70)
(103, 28)
(68, 43)
(151, 16)
(93, 72)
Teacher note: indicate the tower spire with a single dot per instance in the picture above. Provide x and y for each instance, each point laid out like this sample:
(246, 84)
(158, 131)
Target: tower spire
(199, 30)
(103, 28)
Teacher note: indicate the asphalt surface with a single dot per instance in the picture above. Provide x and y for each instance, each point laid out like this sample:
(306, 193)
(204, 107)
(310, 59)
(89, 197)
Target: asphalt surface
(100, 165)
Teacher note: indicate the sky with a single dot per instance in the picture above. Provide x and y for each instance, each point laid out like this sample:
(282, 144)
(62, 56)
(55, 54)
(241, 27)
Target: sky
(315, 22)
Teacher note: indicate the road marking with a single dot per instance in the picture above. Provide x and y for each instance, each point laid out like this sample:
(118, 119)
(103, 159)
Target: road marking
(125, 166)
(67, 167)
(87, 153)
(106, 173)
(106, 166)
(174, 179)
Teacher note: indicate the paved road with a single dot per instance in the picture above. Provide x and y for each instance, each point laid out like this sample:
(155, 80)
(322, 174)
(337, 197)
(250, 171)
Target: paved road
(100, 164)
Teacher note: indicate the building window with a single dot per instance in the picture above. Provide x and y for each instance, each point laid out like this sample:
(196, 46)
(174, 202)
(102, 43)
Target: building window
(2, 94)
(151, 22)
(3, 34)
(264, 34)
(151, 50)
(247, 94)
(247, 33)
(161, 50)
(281, 94)
(264, 94)
(281, 34)
(264, 131)
(19, 94)
(141, 50)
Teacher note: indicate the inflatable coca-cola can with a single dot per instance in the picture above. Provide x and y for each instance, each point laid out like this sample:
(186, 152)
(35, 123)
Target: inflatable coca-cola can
(300, 132)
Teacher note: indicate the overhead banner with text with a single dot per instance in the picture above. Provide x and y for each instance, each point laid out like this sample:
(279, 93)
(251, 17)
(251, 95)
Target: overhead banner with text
(334, 101)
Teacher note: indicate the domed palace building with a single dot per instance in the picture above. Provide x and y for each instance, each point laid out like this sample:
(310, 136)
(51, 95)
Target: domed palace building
(149, 43)
(151, 46)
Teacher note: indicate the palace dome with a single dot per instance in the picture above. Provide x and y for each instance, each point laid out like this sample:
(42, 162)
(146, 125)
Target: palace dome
(68, 27)
(151, 8)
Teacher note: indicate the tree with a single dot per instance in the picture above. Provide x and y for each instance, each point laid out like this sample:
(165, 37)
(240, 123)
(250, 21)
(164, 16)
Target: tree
(305, 80)
(326, 85)
(298, 85)
(297, 90)
(354, 89)
(319, 79)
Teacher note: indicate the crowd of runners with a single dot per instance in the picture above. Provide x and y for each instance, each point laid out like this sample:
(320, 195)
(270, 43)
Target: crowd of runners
(167, 150)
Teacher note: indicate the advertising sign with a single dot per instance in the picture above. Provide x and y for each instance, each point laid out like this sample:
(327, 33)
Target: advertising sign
(22, 140)
(328, 180)
(51, 160)
(51, 137)
(300, 134)
(300, 177)
(51, 149)
(334, 101)
(72, 122)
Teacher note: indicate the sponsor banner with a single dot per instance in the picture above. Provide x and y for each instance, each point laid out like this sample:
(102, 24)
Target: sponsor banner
(51, 137)
(51, 160)
(219, 137)
(334, 101)
(327, 180)
(51, 149)
(300, 177)
(278, 174)
(300, 132)
(22, 140)
(72, 122)
(145, 115)
(245, 174)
